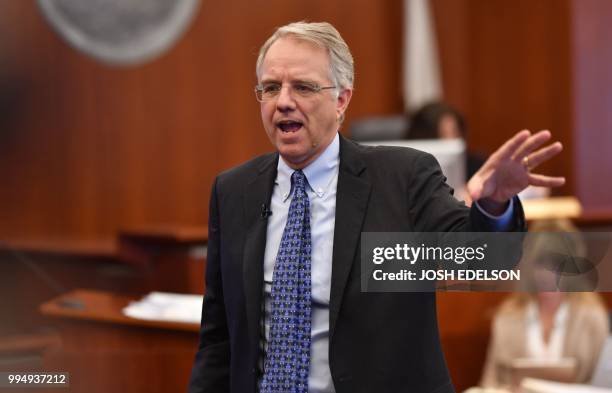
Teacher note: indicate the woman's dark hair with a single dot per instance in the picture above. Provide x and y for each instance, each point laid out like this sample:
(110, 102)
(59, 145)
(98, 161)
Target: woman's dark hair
(424, 122)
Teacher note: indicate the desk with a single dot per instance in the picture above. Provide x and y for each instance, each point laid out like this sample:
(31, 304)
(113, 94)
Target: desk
(552, 208)
(105, 351)
(172, 256)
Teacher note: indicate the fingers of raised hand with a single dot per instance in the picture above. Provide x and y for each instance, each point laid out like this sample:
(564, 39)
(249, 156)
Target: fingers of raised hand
(531, 144)
(509, 148)
(544, 154)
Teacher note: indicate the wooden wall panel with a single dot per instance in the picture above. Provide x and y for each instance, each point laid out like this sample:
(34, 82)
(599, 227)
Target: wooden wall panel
(86, 148)
(592, 101)
(506, 65)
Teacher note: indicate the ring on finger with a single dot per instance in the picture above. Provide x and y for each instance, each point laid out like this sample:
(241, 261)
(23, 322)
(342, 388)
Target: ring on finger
(526, 163)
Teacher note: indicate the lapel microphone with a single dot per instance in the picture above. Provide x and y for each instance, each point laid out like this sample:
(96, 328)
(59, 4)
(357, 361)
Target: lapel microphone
(265, 211)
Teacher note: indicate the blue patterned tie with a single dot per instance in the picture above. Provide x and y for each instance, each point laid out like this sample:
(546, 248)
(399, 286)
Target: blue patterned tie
(288, 354)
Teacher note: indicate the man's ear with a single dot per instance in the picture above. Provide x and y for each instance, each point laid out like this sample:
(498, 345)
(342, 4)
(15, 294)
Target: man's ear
(344, 97)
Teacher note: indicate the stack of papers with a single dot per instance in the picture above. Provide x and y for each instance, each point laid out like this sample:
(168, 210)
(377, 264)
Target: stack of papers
(170, 307)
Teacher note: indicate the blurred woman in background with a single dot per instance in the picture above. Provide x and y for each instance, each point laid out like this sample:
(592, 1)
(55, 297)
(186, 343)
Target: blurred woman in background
(438, 120)
(546, 324)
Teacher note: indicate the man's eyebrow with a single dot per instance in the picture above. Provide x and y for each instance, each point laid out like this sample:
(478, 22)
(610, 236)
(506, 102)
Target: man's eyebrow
(308, 81)
(269, 80)
(297, 80)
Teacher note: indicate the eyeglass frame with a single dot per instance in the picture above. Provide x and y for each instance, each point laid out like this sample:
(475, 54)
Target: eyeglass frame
(314, 86)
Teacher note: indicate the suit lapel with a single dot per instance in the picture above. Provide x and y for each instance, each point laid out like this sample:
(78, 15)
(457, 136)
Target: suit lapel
(257, 192)
(351, 201)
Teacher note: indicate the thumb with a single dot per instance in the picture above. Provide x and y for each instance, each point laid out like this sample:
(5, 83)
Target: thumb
(475, 189)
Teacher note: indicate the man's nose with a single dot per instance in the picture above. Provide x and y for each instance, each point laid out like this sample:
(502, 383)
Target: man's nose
(285, 101)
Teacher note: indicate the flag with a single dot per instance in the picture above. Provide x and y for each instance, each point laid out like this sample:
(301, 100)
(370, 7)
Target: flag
(422, 79)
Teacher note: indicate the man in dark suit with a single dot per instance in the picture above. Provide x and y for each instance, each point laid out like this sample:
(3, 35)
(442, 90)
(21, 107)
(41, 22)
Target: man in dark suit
(283, 310)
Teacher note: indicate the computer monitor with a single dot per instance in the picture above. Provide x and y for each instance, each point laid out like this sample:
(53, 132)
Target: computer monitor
(450, 154)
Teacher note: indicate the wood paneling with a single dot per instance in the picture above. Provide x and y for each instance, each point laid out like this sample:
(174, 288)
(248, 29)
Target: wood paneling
(506, 65)
(86, 148)
(592, 103)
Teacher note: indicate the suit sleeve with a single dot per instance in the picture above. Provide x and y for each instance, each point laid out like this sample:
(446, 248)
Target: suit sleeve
(434, 209)
(210, 371)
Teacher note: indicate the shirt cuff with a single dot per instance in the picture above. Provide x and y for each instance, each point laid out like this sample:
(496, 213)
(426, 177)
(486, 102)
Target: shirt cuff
(503, 221)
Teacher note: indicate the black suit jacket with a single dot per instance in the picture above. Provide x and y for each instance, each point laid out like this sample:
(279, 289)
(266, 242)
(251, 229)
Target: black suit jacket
(378, 342)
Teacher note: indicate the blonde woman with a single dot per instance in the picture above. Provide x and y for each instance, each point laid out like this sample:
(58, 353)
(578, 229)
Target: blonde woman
(547, 325)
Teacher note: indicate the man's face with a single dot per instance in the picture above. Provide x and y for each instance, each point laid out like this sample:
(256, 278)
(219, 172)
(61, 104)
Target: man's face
(300, 127)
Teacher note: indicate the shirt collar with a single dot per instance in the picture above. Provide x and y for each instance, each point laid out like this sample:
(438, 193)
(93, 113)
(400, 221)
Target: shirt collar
(319, 173)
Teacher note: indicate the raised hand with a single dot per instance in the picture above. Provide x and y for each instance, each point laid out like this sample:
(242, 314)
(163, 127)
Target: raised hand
(508, 171)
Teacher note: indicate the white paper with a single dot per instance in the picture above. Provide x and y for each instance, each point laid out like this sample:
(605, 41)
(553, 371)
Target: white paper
(163, 306)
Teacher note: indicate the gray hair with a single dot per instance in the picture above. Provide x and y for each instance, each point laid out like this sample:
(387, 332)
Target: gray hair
(324, 35)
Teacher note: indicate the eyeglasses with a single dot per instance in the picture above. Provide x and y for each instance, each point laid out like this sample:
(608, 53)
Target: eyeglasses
(270, 90)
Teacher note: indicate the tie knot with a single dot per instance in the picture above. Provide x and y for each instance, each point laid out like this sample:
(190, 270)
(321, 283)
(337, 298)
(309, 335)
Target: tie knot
(298, 179)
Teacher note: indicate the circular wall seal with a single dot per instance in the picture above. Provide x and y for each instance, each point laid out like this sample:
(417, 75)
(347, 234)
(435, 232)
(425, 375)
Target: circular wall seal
(122, 32)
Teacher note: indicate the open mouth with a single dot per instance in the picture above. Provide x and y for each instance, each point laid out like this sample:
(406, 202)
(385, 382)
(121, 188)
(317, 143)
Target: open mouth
(289, 125)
